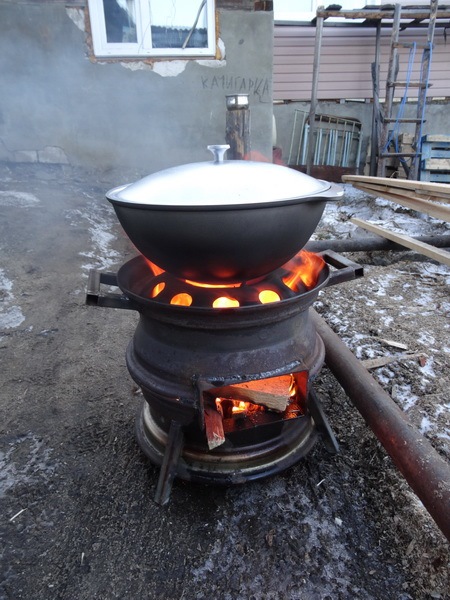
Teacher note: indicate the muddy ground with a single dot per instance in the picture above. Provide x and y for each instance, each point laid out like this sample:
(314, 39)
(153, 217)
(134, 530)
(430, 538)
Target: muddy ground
(76, 494)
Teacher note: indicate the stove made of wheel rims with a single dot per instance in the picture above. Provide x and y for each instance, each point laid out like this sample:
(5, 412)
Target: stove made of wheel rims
(226, 371)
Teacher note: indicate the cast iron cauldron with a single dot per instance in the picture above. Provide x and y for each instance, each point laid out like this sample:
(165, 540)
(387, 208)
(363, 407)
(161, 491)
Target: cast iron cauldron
(222, 222)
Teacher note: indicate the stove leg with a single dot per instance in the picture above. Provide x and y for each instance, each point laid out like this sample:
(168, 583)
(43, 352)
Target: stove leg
(174, 446)
(321, 421)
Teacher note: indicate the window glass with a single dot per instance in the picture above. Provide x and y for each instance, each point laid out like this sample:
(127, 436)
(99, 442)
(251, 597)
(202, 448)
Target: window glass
(179, 24)
(120, 21)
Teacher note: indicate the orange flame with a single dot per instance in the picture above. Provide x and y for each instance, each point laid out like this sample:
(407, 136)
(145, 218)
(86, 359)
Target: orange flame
(155, 269)
(304, 268)
(213, 285)
(236, 407)
(225, 302)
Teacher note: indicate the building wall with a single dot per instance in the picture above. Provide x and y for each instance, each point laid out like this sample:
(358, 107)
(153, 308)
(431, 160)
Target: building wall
(59, 104)
(345, 63)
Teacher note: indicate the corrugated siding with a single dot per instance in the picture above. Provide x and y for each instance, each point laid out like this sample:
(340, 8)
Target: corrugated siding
(345, 65)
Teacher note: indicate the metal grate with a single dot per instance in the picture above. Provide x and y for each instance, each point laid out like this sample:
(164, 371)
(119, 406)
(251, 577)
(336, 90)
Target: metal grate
(337, 140)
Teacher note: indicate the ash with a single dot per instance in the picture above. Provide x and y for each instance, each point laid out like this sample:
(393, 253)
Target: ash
(76, 493)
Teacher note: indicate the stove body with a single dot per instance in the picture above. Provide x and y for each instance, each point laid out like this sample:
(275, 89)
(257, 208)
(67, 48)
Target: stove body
(192, 361)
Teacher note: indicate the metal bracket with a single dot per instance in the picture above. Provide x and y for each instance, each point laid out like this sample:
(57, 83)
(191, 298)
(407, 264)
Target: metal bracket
(95, 298)
(346, 270)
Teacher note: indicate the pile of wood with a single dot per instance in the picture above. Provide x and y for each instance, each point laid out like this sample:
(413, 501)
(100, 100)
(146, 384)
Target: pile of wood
(422, 196)
(273, 393)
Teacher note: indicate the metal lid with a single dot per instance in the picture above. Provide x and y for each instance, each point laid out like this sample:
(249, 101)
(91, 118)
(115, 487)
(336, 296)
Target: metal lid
(219, 183)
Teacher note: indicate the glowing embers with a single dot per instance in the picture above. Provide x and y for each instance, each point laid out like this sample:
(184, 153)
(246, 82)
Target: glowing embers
(225, 302)
(253, 404)
(299, 275)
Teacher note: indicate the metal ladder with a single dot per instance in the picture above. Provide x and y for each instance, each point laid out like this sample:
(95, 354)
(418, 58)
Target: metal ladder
(388, 137)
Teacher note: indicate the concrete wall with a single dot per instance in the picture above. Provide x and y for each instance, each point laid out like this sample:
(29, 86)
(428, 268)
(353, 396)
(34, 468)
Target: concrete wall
(57, 104)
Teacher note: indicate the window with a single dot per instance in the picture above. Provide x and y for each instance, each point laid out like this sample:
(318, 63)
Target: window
(142, 28)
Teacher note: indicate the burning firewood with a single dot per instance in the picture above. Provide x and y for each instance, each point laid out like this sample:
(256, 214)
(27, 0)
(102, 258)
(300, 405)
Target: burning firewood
(273, 393)
(214, 427)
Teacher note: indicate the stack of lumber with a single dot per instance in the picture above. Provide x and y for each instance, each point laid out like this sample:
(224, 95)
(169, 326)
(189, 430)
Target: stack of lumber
(422, 196)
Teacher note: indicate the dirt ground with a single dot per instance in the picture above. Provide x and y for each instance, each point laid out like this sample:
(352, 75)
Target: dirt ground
(76, 493)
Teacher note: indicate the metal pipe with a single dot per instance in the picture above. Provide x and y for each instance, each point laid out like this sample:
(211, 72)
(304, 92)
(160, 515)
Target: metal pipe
(424, 469)
(370, 244)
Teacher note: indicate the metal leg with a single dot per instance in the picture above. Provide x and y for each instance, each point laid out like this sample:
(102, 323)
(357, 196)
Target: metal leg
(175, 443)
(321, 421)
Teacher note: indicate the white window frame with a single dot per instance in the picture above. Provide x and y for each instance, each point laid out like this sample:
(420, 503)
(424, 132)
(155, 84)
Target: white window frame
(143, 46)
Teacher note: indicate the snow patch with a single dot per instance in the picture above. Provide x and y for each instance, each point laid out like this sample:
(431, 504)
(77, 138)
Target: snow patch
(99, 222)
(26, 461)
(10, 315)
(21, 199)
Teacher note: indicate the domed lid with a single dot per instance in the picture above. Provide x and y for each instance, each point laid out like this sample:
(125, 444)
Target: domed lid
(219, 183)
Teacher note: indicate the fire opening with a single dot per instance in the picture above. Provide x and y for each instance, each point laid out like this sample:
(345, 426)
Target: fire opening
(254, 403)
(298, 275)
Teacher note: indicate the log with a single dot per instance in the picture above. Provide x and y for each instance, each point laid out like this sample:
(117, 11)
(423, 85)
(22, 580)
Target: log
(273, 393)
(237, 133)
(215, 435)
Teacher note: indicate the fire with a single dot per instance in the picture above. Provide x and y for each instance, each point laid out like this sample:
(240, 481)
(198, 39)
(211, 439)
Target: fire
(157, 289)
(234, 408)
(155, 269)
(302, 273)
(225, 302)
(181, 300)
(285, 394)
(304, 269)
(213, 285)
(267, 296)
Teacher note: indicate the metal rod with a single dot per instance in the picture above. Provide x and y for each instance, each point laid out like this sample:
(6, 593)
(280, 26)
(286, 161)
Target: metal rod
(370, 244)
(293, 138)
(174, 446)
(424, 469)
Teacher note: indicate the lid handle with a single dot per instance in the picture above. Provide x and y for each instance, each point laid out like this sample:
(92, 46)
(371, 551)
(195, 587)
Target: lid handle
(219, 152)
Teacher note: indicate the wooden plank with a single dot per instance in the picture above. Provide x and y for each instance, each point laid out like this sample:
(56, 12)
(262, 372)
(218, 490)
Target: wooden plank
(441, 256)
(436, 191)
(414, 14)
(435, 177)
(436, 164)
(437, 147)
(438, 211)
(382, 361)
(215, 435)
(273, 393)
(405, 194)
(436, 138)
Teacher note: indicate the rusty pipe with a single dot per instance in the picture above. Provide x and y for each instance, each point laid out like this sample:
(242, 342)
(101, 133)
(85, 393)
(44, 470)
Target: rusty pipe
(424, 469)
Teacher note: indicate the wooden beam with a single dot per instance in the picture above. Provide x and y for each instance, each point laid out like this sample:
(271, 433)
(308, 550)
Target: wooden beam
(273, 393)
(215, 435)
(427, 190)
(313, 104)
(374, 15)
(441, 256)
(438, 211)
(382, 361)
